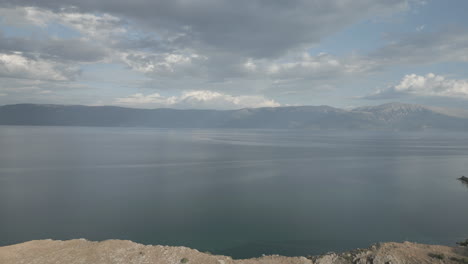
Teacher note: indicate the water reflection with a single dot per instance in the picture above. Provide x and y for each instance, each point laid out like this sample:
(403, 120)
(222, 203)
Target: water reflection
(238, 192)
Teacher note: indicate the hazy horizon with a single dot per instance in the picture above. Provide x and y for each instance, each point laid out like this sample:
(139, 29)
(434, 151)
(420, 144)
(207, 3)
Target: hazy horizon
(396, 103)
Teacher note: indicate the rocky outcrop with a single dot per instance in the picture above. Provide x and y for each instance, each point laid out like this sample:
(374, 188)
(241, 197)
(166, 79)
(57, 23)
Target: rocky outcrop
(127, 252)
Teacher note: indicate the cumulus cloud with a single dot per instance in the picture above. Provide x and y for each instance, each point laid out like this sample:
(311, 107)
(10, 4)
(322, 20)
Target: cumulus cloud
(201, 99)
(164, 63)
(48, 58)
(248, 46)
(97, 33)
(205, 40)
(89, 24)
(428, 85)
(180, 39)
(306, 66)
(16, 65)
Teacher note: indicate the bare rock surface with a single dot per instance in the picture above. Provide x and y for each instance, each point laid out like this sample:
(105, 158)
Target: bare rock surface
(81, 251)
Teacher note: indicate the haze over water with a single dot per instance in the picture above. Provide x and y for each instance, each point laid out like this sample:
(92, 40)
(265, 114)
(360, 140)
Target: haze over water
(237, 192)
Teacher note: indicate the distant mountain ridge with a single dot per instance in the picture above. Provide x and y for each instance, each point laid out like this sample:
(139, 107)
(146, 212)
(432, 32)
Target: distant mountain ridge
(391, 116)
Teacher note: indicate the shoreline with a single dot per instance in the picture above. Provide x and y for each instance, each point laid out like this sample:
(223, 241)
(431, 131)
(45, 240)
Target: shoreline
(128, 252)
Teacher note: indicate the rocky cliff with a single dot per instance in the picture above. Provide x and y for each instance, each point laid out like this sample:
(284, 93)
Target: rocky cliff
(127, 252)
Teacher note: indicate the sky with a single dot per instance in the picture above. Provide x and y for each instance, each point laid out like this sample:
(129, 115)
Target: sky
(219, 54)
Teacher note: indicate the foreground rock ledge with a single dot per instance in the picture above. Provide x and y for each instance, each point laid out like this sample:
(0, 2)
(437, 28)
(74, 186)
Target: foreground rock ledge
(127, 252)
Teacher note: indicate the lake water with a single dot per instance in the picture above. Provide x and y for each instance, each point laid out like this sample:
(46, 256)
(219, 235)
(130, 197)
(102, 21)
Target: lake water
(237, 192)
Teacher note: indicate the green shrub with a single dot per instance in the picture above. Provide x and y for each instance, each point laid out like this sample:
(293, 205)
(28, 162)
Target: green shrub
(459, 260)
(436, 255)
(463, 243)
(184, 260)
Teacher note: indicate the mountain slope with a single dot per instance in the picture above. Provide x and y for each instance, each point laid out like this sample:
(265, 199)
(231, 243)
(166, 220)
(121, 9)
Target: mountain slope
(393, 116)
(413, 117)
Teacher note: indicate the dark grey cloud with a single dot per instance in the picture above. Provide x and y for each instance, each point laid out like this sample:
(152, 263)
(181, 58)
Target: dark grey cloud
(75, 50)
(258, 46)
(251, 28)
(210, 40)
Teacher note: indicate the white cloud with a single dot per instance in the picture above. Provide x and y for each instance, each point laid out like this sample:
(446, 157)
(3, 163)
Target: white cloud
(162, 64)
(22, 17)
(99, 27)
(201, 46)
(92, 25)
(18, 66)
(48, 57)
(303, 67)
(174, 48)
(320, 66)
(179, 44)
(201, 99)
(427, 85)
(141, 99)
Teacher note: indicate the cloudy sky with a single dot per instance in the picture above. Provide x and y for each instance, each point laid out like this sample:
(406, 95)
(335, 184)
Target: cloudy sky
(224, 54)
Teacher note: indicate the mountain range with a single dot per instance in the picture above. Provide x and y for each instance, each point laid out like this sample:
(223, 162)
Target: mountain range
(391, 116)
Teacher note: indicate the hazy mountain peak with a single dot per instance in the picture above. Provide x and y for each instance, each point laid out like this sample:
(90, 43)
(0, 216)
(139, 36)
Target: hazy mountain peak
(391, 107)
(391, 116)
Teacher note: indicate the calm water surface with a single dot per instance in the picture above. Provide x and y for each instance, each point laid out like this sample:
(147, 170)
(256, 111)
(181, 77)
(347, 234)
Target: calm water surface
(238, 192)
